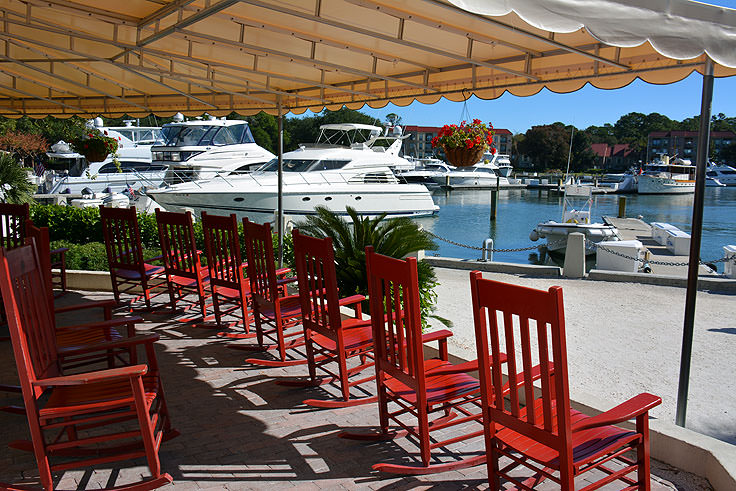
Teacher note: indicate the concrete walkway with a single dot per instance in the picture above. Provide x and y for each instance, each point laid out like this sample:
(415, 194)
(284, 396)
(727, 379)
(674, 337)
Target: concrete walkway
(240, 430)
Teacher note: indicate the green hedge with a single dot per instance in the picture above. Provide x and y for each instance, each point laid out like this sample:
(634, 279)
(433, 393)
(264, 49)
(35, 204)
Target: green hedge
(80, 230)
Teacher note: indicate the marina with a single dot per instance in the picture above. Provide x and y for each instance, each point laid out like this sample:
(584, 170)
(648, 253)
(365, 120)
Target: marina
(464, 217)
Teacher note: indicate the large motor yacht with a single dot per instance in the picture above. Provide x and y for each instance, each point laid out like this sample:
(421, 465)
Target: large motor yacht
(665, 176)
(344, 168)
(68, 172)
(207, 148)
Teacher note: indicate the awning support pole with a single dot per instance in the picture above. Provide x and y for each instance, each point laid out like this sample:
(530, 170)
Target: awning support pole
(280, 199)
(697, 229)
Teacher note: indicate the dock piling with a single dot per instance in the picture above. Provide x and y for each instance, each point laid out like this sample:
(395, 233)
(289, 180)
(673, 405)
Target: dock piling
(622, 206)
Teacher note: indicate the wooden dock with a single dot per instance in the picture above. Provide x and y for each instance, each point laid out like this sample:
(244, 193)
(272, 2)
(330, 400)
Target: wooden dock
(635, 229)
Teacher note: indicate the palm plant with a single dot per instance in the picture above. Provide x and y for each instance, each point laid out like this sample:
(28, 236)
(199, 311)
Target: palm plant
(395, 237)
(14, 184)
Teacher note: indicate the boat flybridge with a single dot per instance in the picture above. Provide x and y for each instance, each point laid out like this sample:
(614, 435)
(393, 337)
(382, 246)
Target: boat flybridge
(341, 169)
(207, 148)
(70, 173)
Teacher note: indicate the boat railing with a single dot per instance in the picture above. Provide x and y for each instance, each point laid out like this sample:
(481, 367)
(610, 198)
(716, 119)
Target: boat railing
(308, 178)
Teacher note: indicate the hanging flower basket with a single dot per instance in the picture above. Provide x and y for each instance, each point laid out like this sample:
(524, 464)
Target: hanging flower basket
(95, 146)
(464, 157)
(465, 144)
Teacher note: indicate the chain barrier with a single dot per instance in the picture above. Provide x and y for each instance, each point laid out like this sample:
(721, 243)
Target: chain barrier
(590, 245)
(593, 245)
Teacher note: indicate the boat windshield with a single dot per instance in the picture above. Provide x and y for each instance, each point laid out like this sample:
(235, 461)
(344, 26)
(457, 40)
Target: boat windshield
(143, 136)
(300, 165)
(202, 135)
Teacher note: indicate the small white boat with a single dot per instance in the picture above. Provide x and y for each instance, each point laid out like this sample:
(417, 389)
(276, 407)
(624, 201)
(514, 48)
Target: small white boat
(574, 221)
(667, 177)
(725, 174)
(503, 162)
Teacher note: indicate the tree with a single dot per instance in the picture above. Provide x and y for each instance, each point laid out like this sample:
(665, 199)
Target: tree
(546, 146)
(602, 134)
(728, 154)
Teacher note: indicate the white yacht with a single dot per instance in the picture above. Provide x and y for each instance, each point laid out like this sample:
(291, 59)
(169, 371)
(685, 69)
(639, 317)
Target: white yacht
(725, 174)
(484, 175)
(427, 172)
(206, 148)
(574, 220)
(341, 169)
(667, 177)
(503, 162)
(68, 172)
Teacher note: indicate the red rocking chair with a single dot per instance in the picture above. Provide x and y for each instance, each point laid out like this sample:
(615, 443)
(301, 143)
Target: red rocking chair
(279, 313)
(128, 270)
(545, 435)
(229, 287)
(412, 390)
(185, 274)
(330, 339)
(62, 409)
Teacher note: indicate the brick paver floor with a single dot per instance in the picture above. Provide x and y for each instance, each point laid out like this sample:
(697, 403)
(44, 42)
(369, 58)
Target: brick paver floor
(240, 430)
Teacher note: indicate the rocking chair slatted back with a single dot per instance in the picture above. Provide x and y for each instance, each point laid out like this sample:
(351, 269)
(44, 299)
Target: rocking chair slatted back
(122, 238)
(32, 331)
(223, 250)
(315, 267)
(178, 246)
(528, 324)
(13, 224)
(261, 267)
(40, 237)
(397, 326)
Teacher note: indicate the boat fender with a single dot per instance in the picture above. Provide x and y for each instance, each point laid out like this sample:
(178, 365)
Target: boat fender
(533, 235)
(646, 268)
(572, 220)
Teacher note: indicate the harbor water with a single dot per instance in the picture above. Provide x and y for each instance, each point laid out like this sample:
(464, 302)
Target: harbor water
(464, 217)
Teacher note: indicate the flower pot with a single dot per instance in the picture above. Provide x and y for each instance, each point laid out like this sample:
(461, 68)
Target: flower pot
(464, 157)
(95, 154)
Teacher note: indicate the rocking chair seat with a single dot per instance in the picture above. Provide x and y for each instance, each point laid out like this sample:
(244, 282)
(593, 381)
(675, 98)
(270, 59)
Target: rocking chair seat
(290, 307)
(356, 336)
(232, 292)
(80, 399)
(131, 274)
(187, 282)
(588, 445)
(441, 388)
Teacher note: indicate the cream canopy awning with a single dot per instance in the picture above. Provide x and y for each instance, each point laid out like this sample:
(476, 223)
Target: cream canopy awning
(135, 57)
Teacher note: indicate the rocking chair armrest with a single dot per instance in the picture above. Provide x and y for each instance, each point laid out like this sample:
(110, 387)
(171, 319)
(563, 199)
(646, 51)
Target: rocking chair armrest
(116, 322)
(97, 376)
(465, 367)
(440, 335)
(281, 271)
(352, 299)
(636, 406)
(108, 345)
(103, 304)
(160, 257)
(60, 250)
(536, 375)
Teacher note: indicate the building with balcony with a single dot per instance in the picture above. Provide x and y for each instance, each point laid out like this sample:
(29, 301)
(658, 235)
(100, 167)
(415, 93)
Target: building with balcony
(684, 143)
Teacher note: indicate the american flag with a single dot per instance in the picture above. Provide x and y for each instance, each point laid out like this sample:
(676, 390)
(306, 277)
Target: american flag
(40, 169)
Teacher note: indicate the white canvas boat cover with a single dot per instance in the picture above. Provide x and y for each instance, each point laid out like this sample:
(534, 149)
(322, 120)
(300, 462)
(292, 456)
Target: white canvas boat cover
(106, 57)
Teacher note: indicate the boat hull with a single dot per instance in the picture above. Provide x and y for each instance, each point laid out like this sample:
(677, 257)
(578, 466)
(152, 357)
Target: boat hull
(556, 234)
(399, 200)
(664, 185)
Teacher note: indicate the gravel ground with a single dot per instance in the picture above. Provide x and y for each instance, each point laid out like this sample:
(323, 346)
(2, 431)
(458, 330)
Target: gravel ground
(625, 338)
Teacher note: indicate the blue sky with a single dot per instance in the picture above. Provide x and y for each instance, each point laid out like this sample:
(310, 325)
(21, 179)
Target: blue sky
(588, 106)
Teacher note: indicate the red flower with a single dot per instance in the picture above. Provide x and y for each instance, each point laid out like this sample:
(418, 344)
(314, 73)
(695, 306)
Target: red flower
(469, 144)
(493, 150)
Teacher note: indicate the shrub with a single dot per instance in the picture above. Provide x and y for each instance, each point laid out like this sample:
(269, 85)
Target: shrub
(92, 256)
(396, 237)
(14, 184)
